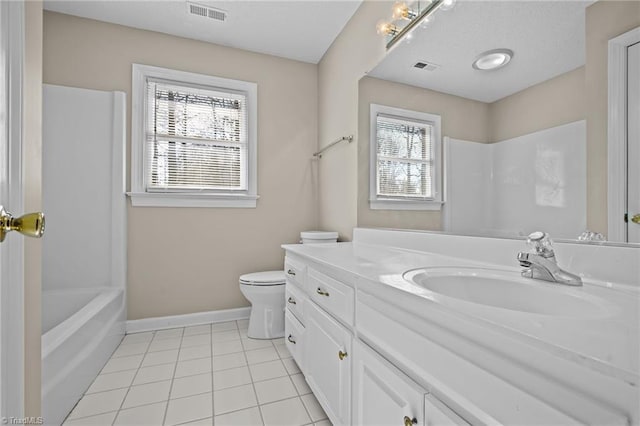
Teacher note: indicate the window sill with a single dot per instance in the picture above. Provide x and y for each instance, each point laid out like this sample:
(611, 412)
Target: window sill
(151, 199)
(382, 204)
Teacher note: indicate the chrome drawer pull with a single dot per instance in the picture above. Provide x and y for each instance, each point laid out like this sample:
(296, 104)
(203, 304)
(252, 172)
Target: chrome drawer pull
(290, 338)
(290, 300)
(321, 293)
(291, 272)
(408, 421)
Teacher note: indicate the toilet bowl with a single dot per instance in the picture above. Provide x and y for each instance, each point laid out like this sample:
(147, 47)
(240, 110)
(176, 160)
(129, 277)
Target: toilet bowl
(265, 291)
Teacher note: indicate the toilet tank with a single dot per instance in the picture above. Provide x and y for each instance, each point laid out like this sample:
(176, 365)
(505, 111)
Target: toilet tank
(315, 237)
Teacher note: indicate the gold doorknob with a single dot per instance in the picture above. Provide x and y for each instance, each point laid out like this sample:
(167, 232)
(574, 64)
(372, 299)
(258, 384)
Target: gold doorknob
(342, 355)
(636, 219)
(31, 224)
(408, 421)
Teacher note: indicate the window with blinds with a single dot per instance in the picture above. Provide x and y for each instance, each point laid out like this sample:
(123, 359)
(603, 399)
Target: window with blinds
(405, 159)
(196, 138)
(193, 140)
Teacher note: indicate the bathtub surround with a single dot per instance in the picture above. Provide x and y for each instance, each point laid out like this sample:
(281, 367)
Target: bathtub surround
(194, 267)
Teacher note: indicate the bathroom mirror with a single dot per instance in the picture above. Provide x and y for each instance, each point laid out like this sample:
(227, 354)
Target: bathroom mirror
(521, 150)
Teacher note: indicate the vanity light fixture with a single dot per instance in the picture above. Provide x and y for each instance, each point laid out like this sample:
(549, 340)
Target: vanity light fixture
(415, 15)
(492, 59)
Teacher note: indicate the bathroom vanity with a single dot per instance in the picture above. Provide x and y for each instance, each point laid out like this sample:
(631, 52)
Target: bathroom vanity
(419, 328)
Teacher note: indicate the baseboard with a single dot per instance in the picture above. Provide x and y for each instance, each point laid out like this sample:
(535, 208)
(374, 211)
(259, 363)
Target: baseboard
(198, 318)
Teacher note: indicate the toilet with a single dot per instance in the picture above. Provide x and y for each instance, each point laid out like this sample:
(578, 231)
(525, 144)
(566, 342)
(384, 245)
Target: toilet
(265, 292)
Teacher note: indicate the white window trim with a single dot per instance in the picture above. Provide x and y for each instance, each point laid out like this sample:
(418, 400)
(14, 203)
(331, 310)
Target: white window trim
(141, 197)
(388, 203)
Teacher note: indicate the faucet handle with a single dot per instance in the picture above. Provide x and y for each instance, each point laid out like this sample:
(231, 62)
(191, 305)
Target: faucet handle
(541, 244)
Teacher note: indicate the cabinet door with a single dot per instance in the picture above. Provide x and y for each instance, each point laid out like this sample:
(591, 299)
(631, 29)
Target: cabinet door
(438, 414)
(328, 363)
(382, 394)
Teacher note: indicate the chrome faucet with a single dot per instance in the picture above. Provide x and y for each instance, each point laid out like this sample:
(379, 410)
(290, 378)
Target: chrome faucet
(540, 263)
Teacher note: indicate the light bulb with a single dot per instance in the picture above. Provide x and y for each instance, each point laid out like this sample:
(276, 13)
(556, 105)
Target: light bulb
(402, 11)
(386, 28)
(447, 4)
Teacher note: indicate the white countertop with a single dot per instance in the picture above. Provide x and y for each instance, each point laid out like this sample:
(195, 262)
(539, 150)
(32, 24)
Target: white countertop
(607, 341)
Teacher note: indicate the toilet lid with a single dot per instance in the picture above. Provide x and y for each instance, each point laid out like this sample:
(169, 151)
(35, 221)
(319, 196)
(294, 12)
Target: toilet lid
(263, 278)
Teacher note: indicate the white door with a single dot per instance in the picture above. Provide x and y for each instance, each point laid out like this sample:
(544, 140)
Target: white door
(633, 143)
(11, 197)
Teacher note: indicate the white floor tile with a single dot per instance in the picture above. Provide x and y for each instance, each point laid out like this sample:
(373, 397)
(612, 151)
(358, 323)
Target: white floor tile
(224, 326)
(188, 409)
(243, 333)
(130, 349)
(267, 370)
(261, 355)
(224, 336)
(147, 394)
(283, 351)
(224, 362)
(232, 399)
(170, 333)
(250, 416)
(165, 344)
(324, 422)
(275, 390)
(194, 352)
(197, 329)
(193, 367)
(154, 373)
(291, 366)
(231, 378)
(110, 381)
(197, 340)
(99, 420)
(289, 412)
(202, 422)
(230, 347)
(191, 385)
(98, 403)
(137, 338)
(301, 384)
(313, 407)
(252, 344)
(162, 357)
(121, 364)
(151, 415)
(243, 323)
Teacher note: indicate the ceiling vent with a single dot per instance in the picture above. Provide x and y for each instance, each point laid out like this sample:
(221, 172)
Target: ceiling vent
(426, 66)
(206, 12)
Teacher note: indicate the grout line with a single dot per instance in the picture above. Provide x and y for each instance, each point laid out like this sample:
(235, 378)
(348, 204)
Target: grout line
(173, 376)
(253, 386)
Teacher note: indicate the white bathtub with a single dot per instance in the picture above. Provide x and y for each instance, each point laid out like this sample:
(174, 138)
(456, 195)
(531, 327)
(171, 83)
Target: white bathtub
(81, 329)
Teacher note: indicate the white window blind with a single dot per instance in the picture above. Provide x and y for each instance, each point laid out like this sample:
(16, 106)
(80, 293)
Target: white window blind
(196, 139)
(404, 159)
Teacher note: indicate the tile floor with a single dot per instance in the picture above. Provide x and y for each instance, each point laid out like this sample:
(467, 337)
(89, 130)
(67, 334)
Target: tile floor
(204, 375)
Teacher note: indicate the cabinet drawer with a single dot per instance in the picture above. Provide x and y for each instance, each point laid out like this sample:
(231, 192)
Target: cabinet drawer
(382, 394)
(436, 413)
(294, 271)
(294, 334)
(295, 301)
(336, 298)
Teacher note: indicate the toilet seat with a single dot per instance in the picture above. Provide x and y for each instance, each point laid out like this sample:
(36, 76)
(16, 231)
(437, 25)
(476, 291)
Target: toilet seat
(266, 278)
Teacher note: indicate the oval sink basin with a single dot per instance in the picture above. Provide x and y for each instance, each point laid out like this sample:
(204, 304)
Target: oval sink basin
(507, 290)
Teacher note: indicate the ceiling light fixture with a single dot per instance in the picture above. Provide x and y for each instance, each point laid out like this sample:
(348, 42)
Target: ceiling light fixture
(410, 17)
(492, 59)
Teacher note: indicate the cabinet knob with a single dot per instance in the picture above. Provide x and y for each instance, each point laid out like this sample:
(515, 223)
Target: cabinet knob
(291, 339)
(291, 272)
(321, 292)
(342, 355)
(408, 421)
(290, 300)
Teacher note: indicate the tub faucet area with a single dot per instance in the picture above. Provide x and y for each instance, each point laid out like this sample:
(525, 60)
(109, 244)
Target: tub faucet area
(540, 263)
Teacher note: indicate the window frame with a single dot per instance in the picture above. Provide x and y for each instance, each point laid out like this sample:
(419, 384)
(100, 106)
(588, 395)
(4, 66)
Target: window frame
(381, 202)
(139, 195)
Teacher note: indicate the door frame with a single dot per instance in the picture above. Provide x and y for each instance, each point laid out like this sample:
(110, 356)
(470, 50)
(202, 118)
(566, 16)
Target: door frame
(617, 134)
(12, 254)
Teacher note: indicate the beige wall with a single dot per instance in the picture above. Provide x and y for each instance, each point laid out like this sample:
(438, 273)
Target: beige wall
(605, 20)
(32, 161)
(354, 52)
(184, 260)
(554, 102)
(461, 119)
